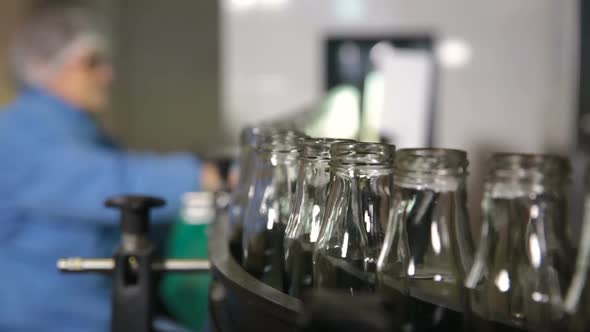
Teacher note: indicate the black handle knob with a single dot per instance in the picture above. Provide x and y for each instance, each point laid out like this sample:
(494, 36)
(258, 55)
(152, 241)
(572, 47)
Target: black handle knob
(135, 212)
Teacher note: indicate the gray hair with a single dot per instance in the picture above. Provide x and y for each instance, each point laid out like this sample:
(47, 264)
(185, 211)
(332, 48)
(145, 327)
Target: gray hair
(49, 35)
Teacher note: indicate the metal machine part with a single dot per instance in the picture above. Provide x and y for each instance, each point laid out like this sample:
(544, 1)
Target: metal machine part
(107, 265)
(134, 266)
(237, 300)
(240, 302)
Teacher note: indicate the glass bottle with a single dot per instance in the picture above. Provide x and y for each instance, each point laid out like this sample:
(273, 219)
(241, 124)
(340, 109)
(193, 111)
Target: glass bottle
(250, 139)
(240, 197)
(268, 209)
(523, 262)
(307, 212)
(577, 301)
(428, 249)
(356, 214)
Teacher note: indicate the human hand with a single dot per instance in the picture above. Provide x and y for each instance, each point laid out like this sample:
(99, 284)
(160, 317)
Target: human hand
(210, 177)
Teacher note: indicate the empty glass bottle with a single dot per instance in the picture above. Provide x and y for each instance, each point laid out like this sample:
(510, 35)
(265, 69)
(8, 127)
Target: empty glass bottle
(428, 249)
(357, 211)
(523, 263)
(307, 212)
(250, 139)
(577, 301)
(268, 209)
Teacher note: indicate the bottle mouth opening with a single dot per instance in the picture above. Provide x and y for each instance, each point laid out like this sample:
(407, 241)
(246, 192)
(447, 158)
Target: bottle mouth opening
(431, 161)
(319, 148)
(279, 142)
(362, 154)
(532, 166)
(278, 148)
(254, 136)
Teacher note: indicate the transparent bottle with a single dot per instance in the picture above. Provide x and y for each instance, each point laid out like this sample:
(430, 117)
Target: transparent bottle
(357, 211)
(577, 301)
(523, 263)
(250, 139)
(240, 197)
(268, 209)
(428, 250)
(308, 209)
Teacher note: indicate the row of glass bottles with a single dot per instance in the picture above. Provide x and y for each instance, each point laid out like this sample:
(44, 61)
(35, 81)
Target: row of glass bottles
(350, 226)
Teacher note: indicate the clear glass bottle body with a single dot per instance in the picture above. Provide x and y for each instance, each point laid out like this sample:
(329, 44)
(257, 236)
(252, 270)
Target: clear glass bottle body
(523, 263)
(428, 249)
(268, 209)
(307, 212)
(357, 211)
(577, 300)
(239, 200)
(251, 138)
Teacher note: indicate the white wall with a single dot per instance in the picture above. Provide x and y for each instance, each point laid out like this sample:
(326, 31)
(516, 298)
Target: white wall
(517, 93)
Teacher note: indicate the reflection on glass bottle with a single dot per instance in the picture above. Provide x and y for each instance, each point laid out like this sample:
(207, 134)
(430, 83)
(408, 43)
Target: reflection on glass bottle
(240, 198)
(427, 250)
(357, 211)
(523, 262)
(250, 139)
(307, 212)
(268, 210)
(577, 301)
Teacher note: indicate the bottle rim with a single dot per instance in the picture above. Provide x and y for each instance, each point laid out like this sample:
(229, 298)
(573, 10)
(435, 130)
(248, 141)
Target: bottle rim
(431, 161)
(319, 148)
(350, 154)
(529, 166)
(254, 136)
(279, 142)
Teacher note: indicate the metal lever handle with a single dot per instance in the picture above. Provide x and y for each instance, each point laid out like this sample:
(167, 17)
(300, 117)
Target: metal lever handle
(107, 265)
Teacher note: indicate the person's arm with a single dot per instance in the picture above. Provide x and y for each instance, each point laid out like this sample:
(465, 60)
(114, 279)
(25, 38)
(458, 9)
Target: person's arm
(72, 181)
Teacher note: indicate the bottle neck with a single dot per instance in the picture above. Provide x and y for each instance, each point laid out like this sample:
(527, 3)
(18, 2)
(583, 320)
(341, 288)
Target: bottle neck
(432, 182)
(517, 175)
(362, 159)
(276, 158)
(360, 171)
(440, 170)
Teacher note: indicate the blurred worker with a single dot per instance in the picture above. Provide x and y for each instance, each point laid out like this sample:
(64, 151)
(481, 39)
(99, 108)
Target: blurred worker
(57, 167)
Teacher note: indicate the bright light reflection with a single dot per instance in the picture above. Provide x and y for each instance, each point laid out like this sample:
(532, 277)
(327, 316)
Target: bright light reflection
(534, 212)
(272, 216)
(344, 246)
(454, 53)
(411, 268)
(538, 297)
(368, 219)
(535, 250)
(503, 281)
(435, 237)
(315, 226)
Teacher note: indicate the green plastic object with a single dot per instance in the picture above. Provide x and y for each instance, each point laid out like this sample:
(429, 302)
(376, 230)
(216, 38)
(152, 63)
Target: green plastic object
(185, 295)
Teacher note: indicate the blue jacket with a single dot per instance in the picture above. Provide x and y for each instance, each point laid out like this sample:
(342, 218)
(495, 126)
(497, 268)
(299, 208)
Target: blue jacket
(56, 169)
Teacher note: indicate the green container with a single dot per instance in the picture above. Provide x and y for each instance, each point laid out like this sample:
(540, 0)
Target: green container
(185, 295)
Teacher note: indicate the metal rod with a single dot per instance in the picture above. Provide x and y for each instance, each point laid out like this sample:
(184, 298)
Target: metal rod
(182, 265)
(107, 265)
(77, 264)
